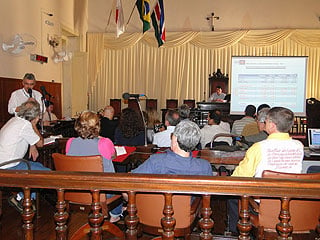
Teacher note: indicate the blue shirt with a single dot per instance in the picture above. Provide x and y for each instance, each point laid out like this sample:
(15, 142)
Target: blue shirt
(172, 163)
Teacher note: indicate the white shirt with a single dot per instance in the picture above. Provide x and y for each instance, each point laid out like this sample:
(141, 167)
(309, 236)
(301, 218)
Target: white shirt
(163, 139)
(281, 156)
(209, 131)
(15, 137)
(46, 116)
(20, 96)
(214, 96)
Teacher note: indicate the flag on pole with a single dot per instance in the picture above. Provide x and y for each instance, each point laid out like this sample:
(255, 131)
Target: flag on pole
(119, 18)
(143, 7)
(157, 17)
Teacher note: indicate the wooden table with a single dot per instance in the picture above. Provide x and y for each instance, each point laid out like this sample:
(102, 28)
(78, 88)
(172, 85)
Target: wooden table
(222, 157)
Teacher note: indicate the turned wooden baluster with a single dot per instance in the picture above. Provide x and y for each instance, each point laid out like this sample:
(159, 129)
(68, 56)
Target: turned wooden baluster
(284, 228)
(131, 219)
(168, 222)
(317, 229)
(206, 223)
(27, 215)
(244, 223)
(95, 217)
(61, 216)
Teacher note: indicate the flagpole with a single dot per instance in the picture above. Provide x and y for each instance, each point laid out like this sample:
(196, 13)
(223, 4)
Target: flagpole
(132, 12)
(109, 17)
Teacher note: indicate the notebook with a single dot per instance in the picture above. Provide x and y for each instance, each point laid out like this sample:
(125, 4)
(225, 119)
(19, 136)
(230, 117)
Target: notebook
(314, 141)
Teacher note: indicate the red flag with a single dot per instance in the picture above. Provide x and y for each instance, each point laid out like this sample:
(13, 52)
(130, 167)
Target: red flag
(119, 18)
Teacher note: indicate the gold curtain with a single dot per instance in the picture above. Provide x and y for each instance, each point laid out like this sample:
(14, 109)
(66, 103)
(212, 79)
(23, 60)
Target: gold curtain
(180, 68)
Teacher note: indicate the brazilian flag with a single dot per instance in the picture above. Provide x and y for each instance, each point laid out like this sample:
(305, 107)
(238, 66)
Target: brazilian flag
(143, 7)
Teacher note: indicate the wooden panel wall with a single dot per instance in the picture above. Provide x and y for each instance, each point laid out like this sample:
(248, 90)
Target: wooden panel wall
(8, 85)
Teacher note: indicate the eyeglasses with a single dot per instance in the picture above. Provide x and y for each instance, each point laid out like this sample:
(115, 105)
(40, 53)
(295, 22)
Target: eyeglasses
(28, 84)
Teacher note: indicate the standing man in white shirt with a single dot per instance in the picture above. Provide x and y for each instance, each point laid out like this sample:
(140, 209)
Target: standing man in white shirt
(24, 94)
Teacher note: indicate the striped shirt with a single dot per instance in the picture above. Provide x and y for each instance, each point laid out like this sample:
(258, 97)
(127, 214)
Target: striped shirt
(238, 125)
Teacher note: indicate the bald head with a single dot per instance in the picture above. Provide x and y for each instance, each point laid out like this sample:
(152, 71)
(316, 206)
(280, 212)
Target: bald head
(108, 112)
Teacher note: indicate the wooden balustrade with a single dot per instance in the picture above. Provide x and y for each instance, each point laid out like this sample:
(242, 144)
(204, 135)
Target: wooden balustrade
(167, 184)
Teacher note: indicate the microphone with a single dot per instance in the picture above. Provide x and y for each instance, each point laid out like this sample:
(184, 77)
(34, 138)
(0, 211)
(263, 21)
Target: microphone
(126, 96)
(30, 92)
(44, 92)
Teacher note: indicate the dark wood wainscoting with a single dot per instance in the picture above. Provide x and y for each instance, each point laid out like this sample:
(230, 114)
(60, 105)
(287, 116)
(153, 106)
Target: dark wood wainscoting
(8, 85)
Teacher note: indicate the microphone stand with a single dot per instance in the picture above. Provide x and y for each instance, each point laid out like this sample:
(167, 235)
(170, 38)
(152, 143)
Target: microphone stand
(144, 122)
(42, 113)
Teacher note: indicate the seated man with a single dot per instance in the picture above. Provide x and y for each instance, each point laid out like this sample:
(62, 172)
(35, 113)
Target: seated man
(238, 125)
(16, 136)
(252, 128)
(48, 116)
(184, 111)
(217, 96)
(279, 152)
(107, 123)
(262, 134)
(162, 139)
(213, 128)
(178, 160)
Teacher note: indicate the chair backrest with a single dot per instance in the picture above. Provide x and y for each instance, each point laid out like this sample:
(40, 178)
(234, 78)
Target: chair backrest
(304, 213)
(150, 211)
(190, 102)
(80, 164)
(172, 103)
(233, 136)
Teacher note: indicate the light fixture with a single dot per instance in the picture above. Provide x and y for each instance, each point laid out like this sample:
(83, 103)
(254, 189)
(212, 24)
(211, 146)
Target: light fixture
(62, 56)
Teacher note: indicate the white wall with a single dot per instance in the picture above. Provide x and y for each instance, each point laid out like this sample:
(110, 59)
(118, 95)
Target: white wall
(28, 17)
(190, 15)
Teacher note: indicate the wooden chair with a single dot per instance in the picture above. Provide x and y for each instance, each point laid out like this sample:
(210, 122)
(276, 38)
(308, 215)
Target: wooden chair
(304, 213)
(151, 104)
(190, 102)
(172, 103)
(150, 211)
(212, 143)
(116, 104)
(81, 201)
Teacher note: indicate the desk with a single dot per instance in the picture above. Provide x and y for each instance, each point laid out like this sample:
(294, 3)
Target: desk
(137, 157)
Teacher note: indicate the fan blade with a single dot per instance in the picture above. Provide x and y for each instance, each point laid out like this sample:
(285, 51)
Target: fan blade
(28, 43)
(5, 46)
(18, 50)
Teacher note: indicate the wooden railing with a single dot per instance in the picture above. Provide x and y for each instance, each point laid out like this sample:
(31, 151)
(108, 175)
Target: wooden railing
(167, 184)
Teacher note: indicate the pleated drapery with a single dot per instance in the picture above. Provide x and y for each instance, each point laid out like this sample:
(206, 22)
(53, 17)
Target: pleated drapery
(180, 68)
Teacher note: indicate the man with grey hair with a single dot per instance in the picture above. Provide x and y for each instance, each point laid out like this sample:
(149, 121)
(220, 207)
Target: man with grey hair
(24, 94)
(262, 135)
(162, 139)
(16, 136)
(184, 111)
(178, 159)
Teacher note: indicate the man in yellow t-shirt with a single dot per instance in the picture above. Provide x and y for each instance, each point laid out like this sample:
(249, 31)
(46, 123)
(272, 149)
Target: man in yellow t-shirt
(279, 152)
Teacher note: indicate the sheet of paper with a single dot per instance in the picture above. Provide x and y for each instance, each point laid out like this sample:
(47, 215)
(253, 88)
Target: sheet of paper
(120, 150)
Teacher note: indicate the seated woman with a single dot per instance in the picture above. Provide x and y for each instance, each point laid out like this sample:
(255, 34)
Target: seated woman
(130, 131)
(213, 128)
(89, 143)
